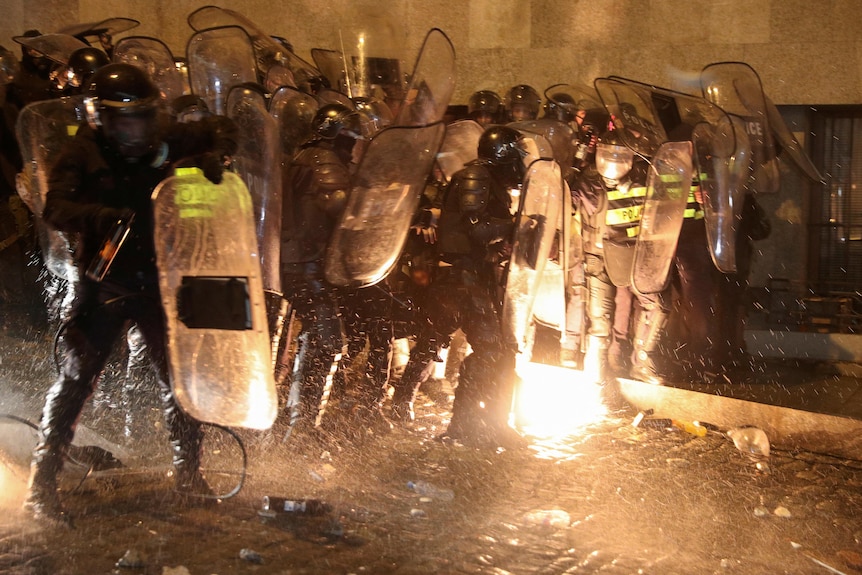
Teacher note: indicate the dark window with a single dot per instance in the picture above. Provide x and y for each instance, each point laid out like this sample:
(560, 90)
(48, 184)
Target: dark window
(835, 219)
(835, 265)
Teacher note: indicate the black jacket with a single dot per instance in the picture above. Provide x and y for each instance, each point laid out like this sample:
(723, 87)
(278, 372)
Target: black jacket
(91, 186)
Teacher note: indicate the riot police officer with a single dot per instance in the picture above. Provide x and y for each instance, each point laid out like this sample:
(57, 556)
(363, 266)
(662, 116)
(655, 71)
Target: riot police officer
(30, 82)
(561, 107)
(693, 278)
(82, 64)
(522, 102)
(610, 197)
(33, 82)
(316, 185)
(484, 107)
(475, 229)
(106, 176)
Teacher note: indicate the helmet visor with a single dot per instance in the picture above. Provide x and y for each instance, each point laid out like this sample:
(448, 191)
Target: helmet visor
(613, 161)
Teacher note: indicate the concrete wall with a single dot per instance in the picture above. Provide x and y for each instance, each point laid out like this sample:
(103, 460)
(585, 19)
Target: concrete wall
(806, 51)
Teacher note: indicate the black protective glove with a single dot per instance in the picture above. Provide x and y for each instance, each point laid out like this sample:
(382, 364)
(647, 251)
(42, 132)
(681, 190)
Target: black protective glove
(213, 167)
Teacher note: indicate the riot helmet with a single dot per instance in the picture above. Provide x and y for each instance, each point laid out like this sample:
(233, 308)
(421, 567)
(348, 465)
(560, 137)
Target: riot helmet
(189, 108)
(613, 158)
(502, 147)
(32, 60)
(522, 103)
(374, 114)
(562, 107)
(339, 125)
(83, 63)
(333, 119)
(484, 107)
(123, 102)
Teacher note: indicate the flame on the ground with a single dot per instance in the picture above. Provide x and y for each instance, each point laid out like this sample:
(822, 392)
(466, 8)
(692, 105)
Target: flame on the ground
(554, 402)
(13, 484)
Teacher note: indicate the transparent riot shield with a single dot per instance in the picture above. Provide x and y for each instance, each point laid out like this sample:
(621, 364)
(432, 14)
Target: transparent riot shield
(218, 59)
(153, 57)
(668, 184)
(374, 114)
(735, 87)
(460, 145)
(633, 114)
(722, 174)
(368, 60)
(388, 185)
(43, 128)
(721, 154)
(431, 84)
(279, 66)
(212, 294)
(331, 64)
(532, 247)
(293, 111)
(56, 47)
(106, 28)
(789, 144)
(575, 98)
(327, 96)
(258, 162)
(549, 308)
(559, 135)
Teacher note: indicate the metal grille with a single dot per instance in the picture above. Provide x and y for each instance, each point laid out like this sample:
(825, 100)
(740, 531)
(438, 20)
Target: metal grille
(836, 214)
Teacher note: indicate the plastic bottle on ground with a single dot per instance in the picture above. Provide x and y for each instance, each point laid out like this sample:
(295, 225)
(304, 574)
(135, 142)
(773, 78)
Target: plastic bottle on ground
(751, 440)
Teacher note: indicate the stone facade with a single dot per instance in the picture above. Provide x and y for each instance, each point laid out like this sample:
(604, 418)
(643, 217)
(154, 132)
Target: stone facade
(806, 51)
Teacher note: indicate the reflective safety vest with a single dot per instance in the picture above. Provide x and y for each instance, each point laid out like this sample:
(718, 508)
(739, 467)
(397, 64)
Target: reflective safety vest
(693, 208)
(624, 212)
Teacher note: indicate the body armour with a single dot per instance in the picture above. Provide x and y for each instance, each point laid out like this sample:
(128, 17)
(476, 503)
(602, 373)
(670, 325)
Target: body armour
(316, 187)
(475, 214)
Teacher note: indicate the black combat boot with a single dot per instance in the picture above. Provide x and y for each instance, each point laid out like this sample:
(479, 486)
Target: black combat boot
(619, 358)
(483, 401)
(648, 332)
(63, 403)
(186, 439)
(373, 388)
(42, 500)
(417, 371)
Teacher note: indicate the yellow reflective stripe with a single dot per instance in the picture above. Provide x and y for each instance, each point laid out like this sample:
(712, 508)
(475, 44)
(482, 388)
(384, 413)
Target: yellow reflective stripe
(636, 192)
(188, 171)
(196, 200)
(196, 212)
(693, 213)
(669, 178)
(691, 191)
(633, 231)
(71, 130)
(627, 215)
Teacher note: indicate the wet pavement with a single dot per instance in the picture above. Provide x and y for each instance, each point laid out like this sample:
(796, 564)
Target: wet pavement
(606, 497)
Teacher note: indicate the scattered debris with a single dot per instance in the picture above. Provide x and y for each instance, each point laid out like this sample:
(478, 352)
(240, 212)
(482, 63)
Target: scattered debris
(132, 559)
(251, 556)
(548, 518)
(750, 440)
